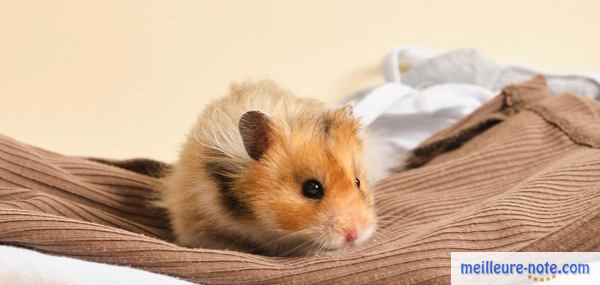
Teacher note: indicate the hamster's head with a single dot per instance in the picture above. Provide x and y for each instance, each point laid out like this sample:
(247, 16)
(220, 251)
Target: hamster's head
(306, 187)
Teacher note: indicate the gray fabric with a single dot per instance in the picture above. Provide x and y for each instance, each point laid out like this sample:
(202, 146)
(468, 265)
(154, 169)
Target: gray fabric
(470, 67)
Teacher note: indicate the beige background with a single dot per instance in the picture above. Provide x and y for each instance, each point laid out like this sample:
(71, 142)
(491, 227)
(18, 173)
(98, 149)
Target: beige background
(127, 78)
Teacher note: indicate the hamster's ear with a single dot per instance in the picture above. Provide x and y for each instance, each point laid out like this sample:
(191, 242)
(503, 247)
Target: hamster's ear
(256, 130)
(346, 111)
(345, 115)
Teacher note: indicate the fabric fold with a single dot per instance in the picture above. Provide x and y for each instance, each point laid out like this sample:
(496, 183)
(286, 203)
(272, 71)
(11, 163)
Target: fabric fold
(511, 100)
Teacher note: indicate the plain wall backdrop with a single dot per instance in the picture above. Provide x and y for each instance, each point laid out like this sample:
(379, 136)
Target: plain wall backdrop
(125, 79)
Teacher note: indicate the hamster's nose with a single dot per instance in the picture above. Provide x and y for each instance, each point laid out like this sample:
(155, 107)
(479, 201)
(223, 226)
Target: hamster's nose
(351, 234)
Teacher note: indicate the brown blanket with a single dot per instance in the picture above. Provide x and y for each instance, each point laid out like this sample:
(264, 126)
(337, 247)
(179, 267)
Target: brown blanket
(520, 174)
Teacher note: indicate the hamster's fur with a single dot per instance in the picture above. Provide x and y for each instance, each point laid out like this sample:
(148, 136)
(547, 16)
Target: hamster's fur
(240, 179)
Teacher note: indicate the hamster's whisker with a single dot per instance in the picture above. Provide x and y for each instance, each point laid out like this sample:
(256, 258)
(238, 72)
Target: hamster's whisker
(285, 237)
(321, 245)
(295, 248)
(316, 247)
(302, 243)
(292, 234)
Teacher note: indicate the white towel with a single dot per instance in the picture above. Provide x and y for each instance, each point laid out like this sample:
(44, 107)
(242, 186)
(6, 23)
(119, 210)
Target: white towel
(20, 266)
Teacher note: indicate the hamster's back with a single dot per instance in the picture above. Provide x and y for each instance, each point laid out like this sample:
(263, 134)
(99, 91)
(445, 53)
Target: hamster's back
(217, 127)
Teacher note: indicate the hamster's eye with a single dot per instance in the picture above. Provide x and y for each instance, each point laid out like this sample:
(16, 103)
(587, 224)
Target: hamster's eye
(312, 189)
(357, 181)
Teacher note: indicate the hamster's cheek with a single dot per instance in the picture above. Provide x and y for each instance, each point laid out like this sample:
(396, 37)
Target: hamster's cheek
(296, 216)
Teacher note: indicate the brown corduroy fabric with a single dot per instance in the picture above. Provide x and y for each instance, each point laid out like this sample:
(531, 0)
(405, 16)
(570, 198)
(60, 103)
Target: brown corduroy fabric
(520, 174)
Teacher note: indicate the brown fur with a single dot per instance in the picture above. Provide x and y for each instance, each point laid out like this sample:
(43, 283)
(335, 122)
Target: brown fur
(218, 196)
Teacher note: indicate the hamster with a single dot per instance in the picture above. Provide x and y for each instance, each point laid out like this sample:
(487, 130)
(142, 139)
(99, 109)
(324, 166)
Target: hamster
(266, 172)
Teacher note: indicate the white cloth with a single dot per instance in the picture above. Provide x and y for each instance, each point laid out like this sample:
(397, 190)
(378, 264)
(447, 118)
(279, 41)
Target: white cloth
(436, 91)
(20, 266)
(407, 116)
